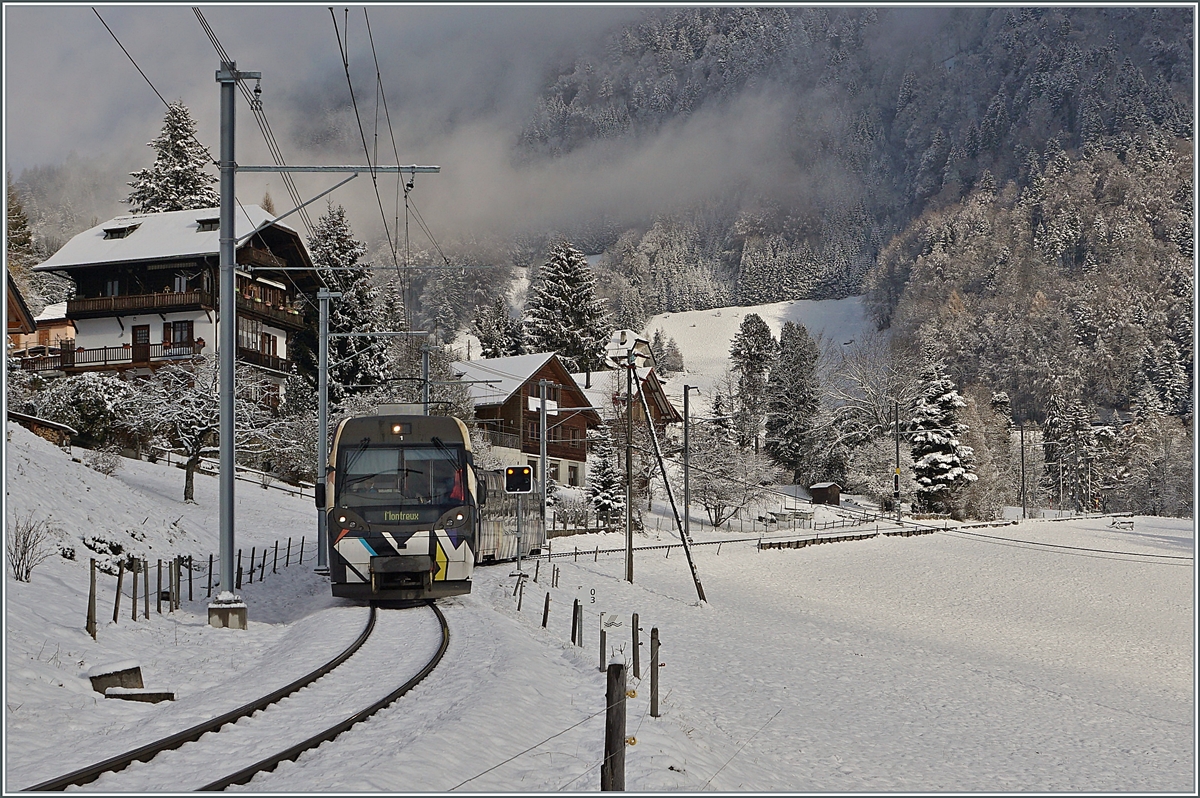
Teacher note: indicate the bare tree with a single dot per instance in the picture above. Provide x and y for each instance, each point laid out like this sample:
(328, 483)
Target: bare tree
(28, 544)
(863, 379)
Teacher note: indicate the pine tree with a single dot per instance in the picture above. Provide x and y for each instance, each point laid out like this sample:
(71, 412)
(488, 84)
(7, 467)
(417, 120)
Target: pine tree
(672, 359)
(793, 397)
(499, 333)
(752, 352)
(563, 314)
(18, 243)
(355, 362)
(942, 464)
(177, 180)
(606, 483)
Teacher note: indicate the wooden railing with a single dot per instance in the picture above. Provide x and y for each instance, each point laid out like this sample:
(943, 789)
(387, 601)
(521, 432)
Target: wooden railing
(507, 440)
(284, 318)
(139, 302)
(266, 361)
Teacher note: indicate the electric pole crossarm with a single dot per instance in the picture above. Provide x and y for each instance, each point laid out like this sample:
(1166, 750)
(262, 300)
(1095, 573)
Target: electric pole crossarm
(265, 225)
(385, 170)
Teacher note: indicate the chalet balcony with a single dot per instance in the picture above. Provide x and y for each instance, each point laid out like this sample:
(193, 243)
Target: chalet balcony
(505, 440)
(111, 357)
(278, 315)
(130, 304)
(264, 361)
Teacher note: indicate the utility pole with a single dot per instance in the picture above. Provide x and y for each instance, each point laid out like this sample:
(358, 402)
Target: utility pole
(629, 466)
(542, 449)
(896, 476)
(425, 376)
(228, 77)
(323, 297)
(1023, 510)
(687, 493)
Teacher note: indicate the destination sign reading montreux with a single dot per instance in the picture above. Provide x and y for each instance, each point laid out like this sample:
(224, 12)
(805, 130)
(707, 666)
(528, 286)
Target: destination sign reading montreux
(394, 515)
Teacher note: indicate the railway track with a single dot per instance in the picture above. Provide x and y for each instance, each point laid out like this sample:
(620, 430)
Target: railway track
(258, 736)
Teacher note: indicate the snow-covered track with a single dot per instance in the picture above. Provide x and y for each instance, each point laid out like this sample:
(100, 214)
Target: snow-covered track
(150, 750)
(270, 763)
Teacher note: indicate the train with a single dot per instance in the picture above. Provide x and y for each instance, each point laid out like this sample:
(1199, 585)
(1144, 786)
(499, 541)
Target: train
(410, 514)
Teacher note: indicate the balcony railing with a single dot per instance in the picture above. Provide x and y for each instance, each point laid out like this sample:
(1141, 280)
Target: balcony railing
(153, 303)
(266, 361)
(506, 440)
(282, 317)
(104, 356)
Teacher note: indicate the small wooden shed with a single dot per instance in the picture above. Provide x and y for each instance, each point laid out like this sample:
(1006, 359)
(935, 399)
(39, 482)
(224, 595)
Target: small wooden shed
(826, 493)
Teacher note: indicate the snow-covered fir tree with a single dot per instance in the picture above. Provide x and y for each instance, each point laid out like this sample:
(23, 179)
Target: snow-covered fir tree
(793, 398)
(752, 353)
(498, 332)
(177, 180)
(355, 362)
(941, 462)
(563, 313)
(18, 242)
(606, 482)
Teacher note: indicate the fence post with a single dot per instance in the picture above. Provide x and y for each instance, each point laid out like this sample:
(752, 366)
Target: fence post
(287, 560)
(596, 558)
(146, 589)
(520, 593)
(191, 568)
(158, 593)
(579, 613)
(120, 579)
(654, 672)
(637, 659)
(91, 612)
(210, 563)
(575, 622)
(546, 611)
(275, 562)
(576, 554)
(612, 770)
(300, 561)
(537, 568)
(237, 585)
(133, 569)
(262, 568)
(178, 581)
(253, 549)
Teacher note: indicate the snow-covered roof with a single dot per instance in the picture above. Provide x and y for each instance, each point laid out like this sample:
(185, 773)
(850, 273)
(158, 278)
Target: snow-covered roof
(173, 234)
(505, 376)
(55, 312)
(826, 485)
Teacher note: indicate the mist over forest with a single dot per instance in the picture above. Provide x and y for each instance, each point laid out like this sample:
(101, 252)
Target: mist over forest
(996, 181)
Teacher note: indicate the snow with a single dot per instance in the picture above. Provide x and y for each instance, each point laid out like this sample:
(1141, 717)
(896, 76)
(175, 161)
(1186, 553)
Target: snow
(1046, 656)
(115, 667)
(704, 336)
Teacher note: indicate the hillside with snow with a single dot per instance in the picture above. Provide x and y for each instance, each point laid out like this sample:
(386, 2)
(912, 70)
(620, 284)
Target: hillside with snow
(1040, 656)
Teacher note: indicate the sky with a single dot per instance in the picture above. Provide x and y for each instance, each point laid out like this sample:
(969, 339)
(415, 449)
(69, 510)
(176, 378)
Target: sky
(458, 84)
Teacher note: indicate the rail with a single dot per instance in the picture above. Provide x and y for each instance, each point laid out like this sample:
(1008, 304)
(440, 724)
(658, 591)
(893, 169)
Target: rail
(150, 750)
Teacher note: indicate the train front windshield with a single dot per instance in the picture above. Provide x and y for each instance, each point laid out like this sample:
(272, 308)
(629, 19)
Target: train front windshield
(376, 478)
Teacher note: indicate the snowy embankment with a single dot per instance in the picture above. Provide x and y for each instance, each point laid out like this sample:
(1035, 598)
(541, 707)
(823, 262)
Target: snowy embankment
(938, 662)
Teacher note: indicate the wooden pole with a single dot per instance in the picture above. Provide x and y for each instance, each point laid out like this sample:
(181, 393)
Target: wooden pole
(120, 579)
(654, 672)
(637, 659)
(612, 770)
(287, 559)
(133, 569)
(579, 613)
(237, 585)
(575, 622)
(546, 611)
(158, 593)
(300, 561)
(262, 568)
(253, 549)
(275, 562)
(146, 589)
(91, 613)
(537, 568)
(191, 568)
(210, 564)
(520, 593)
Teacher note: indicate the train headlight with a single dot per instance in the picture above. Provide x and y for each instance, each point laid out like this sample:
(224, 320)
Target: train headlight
(341, 519)
(458, 517)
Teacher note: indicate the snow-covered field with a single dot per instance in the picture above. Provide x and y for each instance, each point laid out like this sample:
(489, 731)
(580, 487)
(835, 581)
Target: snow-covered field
(944, 662)
(703, 336)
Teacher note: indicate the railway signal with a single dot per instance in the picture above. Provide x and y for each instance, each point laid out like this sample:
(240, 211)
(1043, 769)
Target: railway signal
(518, 479)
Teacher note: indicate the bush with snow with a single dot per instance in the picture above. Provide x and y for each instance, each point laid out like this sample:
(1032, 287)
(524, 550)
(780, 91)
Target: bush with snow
(105, 460)
(28, 543)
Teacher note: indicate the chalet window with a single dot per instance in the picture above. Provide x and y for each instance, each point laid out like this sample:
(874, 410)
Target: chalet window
(179, 332)
(250, 333)
(533, 464)
(269, 345)
(112, 287)
(533, 431)
(553, 469)
(551, 392)
(120, 232)
(207, 225)
(573, 476)
(181, 283)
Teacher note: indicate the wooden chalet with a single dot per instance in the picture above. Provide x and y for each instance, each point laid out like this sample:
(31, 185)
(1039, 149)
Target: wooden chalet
(607, 389)
(147, 291)
(505, 392)
(20, 320)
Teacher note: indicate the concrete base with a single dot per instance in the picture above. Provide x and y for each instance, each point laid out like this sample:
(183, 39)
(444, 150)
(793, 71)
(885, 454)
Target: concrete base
(227, 616)
(129, 678)
(145, 696)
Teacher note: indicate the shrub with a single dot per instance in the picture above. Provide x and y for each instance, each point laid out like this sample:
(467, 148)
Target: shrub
(105, 460)
(29, 544)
